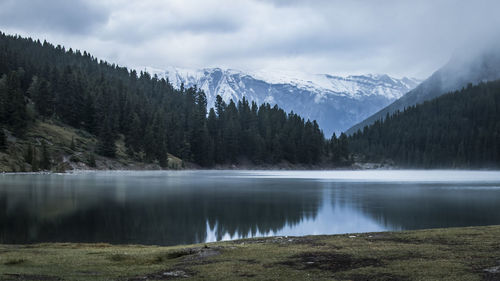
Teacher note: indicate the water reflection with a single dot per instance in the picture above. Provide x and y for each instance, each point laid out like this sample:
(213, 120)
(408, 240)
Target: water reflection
(427, 205)
(150, 209)
(168, 208)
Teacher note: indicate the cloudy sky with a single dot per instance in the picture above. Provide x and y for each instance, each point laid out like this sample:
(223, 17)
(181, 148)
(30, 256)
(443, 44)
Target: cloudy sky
(401, 38)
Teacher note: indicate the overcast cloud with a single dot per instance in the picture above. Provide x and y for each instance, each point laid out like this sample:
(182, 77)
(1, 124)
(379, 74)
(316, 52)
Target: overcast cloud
(401, 38)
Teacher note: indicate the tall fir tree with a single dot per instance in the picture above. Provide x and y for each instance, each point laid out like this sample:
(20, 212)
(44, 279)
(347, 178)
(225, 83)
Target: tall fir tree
(3, 140)
(106, 142)
(45, 162)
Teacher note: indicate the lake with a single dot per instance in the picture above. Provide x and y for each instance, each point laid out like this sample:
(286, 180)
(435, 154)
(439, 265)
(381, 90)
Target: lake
(184, 207)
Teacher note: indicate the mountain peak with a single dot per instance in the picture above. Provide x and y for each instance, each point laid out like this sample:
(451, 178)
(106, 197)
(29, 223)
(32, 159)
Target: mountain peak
(336, 102)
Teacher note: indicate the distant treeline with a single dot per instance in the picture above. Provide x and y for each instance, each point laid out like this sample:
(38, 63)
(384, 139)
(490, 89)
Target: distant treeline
(41, 81)
(460, 129)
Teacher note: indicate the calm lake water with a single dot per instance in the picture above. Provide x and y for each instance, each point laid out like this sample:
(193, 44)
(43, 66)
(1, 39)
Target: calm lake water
(183, 207)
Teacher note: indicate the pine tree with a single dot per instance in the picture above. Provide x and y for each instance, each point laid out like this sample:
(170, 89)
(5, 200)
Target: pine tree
(162, 156)
(135, 134)
(3, 99)
(220, 106)
(16, 115)
(343, 147)
(70, 101)
(28, 154)
(149, 143)
(45, 163)
(91, 160)
(89, 114)
(106, 141)
(199, 137)
(3, 140)
(34, 161)
(334, 149)
(41, 94)
(72, 146)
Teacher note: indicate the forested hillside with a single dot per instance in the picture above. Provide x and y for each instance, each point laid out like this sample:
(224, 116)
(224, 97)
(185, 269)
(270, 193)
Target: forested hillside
(473, 66)
(41, 82)
(459, 129)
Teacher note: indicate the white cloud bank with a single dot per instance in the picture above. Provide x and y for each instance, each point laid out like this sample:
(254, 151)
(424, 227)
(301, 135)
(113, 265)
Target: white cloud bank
(401, 38)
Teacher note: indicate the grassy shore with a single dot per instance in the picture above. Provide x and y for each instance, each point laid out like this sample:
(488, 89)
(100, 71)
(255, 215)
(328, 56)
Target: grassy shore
(471, 253)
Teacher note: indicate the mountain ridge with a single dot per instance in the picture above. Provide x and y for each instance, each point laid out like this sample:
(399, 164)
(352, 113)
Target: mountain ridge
(459, 129)
(335, 102)
(456, 74)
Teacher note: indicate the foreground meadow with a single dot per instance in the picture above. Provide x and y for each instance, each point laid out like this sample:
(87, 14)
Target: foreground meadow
(471, 253)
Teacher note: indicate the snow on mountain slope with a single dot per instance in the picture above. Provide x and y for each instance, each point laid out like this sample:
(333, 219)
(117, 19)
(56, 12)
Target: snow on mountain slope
(335, 102)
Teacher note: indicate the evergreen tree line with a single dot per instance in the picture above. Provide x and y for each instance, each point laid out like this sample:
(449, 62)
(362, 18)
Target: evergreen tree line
(459, 129)
(43, 81)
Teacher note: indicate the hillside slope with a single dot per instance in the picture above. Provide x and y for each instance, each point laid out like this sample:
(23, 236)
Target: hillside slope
(456, 74)
(67, 148)
(459, 129)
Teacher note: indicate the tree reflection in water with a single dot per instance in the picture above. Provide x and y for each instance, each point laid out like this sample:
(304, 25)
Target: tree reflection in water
(168, 208)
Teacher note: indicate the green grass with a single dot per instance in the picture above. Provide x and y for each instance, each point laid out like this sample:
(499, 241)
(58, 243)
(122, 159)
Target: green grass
(58, 138)
(65, 156)
(471, 253)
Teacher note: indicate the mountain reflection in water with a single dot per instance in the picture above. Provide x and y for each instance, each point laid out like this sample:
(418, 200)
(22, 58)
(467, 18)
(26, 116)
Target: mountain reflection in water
(184, 207)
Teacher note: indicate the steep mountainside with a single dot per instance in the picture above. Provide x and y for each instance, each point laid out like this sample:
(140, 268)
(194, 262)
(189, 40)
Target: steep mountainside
(459, 129)
(335, 102)
(456, 74)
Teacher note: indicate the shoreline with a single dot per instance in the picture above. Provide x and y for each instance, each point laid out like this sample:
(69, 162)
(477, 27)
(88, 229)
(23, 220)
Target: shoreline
(246, 169)
(463, 253)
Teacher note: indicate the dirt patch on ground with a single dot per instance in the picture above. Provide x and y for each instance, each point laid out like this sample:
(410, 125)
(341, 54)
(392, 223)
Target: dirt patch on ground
(14, 262)
(491, 273)
(376, 277)
(87, 273)
(191, 254)
(334, 262)
(491, 277)
(30, 277)
(487, 268)
(187, 257)
(387, 238)
(249, 261)
(165, 275)
(409, 240)
(119, 257)
(494, 270)
(203, 253)
(404, 255)
(246, 274)
(282, 240)
(180, 253)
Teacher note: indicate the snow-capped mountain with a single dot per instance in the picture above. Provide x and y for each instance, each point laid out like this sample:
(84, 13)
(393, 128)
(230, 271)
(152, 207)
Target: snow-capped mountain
(335, 102)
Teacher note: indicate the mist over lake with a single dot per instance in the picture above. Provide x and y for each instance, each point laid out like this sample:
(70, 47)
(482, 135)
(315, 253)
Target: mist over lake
(183, 207)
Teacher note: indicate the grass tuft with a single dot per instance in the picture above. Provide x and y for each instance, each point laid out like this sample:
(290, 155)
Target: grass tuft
(14, 262)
